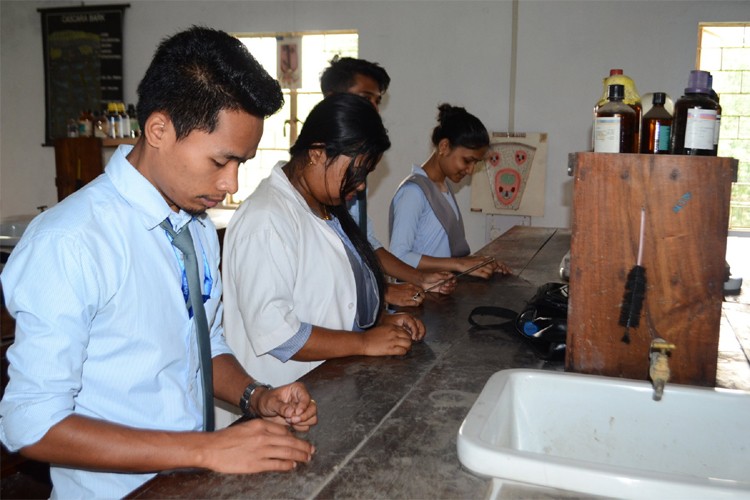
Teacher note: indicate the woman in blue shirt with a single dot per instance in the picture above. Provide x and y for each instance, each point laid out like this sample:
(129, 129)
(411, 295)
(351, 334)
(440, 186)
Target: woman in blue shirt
(426, 227)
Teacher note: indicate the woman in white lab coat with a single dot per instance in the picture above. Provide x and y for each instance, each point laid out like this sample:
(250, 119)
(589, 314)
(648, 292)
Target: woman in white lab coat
(302, 284)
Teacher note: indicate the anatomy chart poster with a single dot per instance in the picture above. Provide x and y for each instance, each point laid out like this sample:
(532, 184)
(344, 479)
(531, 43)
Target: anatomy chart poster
(512, 179)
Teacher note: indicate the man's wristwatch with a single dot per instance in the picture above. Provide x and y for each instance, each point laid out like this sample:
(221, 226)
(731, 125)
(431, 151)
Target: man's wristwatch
(247, 395)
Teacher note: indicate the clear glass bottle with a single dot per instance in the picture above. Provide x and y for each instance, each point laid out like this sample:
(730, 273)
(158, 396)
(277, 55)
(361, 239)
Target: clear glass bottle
(135, 128)
(85, 124)
(656, 127)
(114, 121)
(101, 124)
(695, 115)
(615, 125)
(72, 127)
(124, 120)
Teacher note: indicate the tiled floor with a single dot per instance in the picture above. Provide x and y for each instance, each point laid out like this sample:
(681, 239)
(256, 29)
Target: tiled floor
(733, 370)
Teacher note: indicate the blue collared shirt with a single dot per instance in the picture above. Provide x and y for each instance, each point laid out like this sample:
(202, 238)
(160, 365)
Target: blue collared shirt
(416, 229)
(101, 324)
(353, 207)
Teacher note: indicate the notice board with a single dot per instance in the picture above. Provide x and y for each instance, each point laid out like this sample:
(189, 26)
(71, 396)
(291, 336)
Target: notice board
(82, 62)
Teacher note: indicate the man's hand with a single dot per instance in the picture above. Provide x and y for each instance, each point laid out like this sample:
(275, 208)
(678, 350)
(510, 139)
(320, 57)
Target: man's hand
(289, 404)
(255, 446)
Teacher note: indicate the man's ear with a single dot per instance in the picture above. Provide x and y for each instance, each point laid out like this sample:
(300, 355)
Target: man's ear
(156, 128)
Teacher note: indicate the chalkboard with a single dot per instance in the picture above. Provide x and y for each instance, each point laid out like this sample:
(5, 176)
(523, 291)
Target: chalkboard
(82, 62)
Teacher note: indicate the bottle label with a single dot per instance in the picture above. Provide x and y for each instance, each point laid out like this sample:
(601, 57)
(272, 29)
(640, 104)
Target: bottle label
(662, 137)
(607, 134)
(700, 129)
(717, 128)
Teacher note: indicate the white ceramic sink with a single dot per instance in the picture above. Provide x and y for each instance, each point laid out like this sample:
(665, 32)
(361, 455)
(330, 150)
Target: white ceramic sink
(11, 230)
(607, 436)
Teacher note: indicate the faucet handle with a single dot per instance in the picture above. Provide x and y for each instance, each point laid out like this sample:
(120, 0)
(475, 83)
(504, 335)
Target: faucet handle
(659, 372)
(659, 344)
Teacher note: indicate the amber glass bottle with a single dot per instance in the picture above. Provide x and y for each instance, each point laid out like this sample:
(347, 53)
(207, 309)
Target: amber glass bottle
(631, 97)
(695, 115)
(615, 126)
(656, 127)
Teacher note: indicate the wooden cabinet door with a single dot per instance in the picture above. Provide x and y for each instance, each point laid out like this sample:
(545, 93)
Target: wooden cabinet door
(78, 160)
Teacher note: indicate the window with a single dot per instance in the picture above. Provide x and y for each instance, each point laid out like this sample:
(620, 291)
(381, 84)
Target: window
(724, 50)
(280, 130)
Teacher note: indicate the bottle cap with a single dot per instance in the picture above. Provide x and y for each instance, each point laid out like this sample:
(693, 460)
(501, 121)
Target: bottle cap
(616, 92)
(659, 98)
(614, 72)
(699, 82)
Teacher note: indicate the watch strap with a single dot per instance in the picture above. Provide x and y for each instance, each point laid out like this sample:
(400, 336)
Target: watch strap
(247, 396)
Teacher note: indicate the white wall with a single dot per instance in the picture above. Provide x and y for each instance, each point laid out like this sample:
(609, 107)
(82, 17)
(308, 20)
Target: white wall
(435, 51)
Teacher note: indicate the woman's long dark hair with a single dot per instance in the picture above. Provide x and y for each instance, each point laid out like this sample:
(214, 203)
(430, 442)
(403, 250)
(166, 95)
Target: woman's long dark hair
(346, 125)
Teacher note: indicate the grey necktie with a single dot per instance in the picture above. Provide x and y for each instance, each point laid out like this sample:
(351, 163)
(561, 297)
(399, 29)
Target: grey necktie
(184, 243)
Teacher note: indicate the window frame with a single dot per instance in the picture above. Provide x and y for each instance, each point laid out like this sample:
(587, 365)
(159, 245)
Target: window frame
(292, 100)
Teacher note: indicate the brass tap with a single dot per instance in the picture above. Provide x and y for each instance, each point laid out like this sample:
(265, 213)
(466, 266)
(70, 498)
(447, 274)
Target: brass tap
(659, 365)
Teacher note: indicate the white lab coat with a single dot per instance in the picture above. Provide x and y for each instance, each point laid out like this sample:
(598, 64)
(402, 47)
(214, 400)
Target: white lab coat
(282, 265)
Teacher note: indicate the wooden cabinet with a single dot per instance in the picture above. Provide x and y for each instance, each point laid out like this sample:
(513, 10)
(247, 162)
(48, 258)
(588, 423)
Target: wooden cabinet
(79, 160)
(686, 203)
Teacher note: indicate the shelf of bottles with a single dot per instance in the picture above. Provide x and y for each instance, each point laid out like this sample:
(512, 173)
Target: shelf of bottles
(114, 126)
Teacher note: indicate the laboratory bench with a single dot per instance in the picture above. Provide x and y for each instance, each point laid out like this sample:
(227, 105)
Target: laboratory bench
(387, 425)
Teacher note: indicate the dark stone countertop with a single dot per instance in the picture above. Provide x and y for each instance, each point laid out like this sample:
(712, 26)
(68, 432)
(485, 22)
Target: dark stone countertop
(388, 426)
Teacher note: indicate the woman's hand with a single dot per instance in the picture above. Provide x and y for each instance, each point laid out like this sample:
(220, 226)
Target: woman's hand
(289, 404)
(403, 295)
(414, 326)
(486, 271)
(386, 340)
(448, 285)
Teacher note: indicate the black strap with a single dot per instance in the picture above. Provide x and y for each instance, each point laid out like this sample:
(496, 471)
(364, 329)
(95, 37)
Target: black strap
(498, 312)
(544, 348)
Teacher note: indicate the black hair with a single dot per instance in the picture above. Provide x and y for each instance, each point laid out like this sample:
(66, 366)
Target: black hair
(460, 127)
(199, 72)
(339, 76)
(346, 125)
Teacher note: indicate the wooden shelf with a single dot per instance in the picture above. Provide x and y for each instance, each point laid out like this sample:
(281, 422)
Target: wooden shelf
(113, 143)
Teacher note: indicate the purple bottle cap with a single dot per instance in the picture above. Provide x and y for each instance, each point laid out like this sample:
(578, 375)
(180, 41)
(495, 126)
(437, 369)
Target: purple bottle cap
(699, 82)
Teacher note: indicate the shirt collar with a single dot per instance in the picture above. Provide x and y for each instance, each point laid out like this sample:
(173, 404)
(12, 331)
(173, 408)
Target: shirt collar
(141, 194)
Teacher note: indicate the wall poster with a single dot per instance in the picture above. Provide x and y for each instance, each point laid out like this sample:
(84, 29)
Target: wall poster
(288, 58)
(82, 62)
(512, 179)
